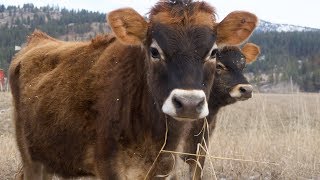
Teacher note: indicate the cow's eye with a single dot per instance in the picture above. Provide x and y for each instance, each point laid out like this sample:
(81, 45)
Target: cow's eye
(214, 53)
(220, 67)
(154, 53)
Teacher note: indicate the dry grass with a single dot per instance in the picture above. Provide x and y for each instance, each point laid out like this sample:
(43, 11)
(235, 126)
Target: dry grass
(283, 129)
(9, 158)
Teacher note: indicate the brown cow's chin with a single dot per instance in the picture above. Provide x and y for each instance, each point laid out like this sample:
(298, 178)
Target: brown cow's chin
(184, 119)
(243, 98)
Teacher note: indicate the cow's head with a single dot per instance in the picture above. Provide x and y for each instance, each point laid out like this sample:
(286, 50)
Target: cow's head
(230, 84)
(180, 41)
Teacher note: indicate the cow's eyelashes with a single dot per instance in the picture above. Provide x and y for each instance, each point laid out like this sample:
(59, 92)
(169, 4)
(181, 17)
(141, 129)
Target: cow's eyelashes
(155, 53)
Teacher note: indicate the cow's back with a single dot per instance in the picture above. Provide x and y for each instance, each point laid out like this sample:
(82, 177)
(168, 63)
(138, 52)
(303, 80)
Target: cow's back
(52, 92)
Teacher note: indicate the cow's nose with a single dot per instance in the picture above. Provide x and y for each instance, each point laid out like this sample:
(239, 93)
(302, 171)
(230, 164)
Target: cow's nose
(242, 91)
(186, 104)
(246, 90)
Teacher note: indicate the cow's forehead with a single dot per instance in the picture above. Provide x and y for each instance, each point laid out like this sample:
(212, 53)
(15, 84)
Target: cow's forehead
(194, 40)
(232, 57)
(185, 14)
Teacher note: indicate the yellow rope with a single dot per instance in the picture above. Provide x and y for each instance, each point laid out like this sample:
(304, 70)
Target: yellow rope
(164, 144)
(207, 147)
(220, 158)
(199, 155)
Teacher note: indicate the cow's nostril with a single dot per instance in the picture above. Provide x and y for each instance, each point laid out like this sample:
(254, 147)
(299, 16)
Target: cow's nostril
(177, 103)
(186, 104)
(242, 90)
(201, 103)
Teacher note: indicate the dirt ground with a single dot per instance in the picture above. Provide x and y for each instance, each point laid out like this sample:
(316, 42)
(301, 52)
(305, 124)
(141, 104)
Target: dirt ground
(283, 130)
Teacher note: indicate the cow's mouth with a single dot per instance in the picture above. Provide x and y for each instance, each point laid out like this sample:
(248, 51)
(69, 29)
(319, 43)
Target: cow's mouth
(244, 97)
(184, 119)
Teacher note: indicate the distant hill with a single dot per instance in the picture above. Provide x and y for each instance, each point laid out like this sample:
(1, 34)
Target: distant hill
(287, 57)
(290, 54)
(16, 23)
(265, 26)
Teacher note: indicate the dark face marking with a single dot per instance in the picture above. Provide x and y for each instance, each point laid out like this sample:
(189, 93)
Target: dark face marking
(181, 61)
(229, 72)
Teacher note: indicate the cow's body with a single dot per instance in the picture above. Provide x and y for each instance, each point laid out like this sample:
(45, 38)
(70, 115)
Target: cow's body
(84, 92)
(83, 81)
(100, 108)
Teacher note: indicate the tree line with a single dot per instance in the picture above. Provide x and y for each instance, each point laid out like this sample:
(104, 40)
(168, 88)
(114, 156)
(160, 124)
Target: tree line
(289, 55)
(19, 22)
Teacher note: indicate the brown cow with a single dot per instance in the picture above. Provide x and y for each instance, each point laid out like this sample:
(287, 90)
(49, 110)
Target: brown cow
(101, 108)
(229, 86)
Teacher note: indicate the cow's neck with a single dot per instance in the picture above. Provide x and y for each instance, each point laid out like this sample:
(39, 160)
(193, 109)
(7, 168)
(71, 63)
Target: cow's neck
(140, 117)
(217, 100)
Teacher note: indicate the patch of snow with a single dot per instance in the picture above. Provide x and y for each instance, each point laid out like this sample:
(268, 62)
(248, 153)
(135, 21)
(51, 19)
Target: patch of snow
(266, 26)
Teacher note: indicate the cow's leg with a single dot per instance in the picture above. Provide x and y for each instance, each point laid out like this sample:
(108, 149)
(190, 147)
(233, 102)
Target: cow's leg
(19, 174)
(30, 170)
(195, 170)
(35, 171)
(164, 168)
(46, 175)
(196, 164)
(106, 149)
(62, 178)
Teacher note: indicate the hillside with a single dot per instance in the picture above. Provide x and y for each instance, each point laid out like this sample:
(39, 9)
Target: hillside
(18, 22)
(290, 54)
(265, 26)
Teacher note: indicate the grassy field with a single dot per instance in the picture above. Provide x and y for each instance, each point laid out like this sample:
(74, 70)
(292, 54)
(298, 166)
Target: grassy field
(282, 129)
(9, 157)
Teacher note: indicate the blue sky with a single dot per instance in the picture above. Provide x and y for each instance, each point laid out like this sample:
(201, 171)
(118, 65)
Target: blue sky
(303, 13)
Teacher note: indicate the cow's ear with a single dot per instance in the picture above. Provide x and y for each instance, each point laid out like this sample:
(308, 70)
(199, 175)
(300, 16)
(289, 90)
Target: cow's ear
(236, 28)
(251, 52)
(128, 25)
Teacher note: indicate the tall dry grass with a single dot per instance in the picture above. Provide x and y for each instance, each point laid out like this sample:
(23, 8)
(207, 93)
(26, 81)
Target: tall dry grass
(9, 157)
(283, 129)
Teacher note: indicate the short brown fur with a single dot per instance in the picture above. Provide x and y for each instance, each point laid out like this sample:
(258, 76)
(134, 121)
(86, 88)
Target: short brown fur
(192, 14)
(80, 107)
